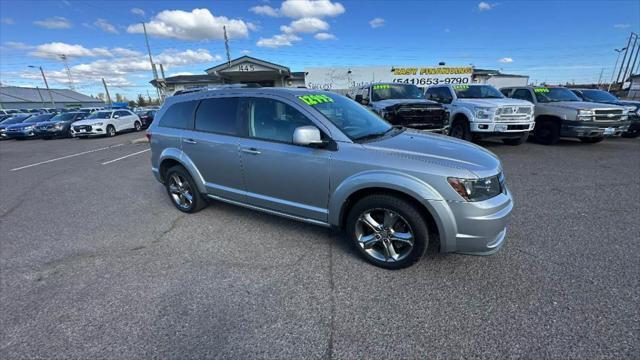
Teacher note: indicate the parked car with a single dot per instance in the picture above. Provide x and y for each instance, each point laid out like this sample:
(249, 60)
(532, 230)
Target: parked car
(106, 122)
(403, 105)
(604, 97)
(26, 128)
(59, 125)
(146, 116)
(481, 111)
(324, 159)
(560, 113)
(13, 119)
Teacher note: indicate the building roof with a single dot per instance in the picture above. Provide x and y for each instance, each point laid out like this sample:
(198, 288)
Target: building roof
(187, 79)
(16, 94)
(488, 72)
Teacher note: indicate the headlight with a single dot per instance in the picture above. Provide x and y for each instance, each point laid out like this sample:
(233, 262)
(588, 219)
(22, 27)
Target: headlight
(97, 124)
(585, 115)
(476, 189)
(30, 127)
(58, 126)
(484, 113)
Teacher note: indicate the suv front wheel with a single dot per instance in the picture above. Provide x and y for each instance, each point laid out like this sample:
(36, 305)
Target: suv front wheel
(183, 191)
(388, 231)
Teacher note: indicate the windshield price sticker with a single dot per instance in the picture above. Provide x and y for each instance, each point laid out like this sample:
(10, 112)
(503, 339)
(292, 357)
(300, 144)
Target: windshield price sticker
(315, 99)
(541, 90)
(460, 87)
(381, 86)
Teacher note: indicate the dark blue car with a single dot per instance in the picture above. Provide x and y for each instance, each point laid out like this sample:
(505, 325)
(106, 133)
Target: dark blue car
(15, 119)
(26, 128)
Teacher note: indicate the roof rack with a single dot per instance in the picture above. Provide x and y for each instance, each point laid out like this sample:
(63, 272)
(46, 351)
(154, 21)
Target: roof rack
(216, 87)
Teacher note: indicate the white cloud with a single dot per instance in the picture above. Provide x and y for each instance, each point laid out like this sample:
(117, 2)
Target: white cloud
(484, 6)
(245, 52)
(622, 26)
(17, 45)
(264, 10)
(105, 26)
(55, 49)
(56, 22)
(305, 25)
(506, 60)
(324, 36)
(125, 52)
(7, 21)
(137, 11)
(377, 22)
(278, 41)
(171, 57)
(199, 24)
(310, 8)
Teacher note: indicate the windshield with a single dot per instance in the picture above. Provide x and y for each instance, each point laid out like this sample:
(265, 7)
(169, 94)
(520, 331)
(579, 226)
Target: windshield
(13, 120)
(38, 118)
(356, 121)
(389, 91)
(546, 95)
(63, 117)
(100, 115)
(477, 92)
(598, 96)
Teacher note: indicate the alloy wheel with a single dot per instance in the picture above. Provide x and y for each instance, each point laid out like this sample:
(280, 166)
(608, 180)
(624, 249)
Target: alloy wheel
(181, 192)
(384, 235)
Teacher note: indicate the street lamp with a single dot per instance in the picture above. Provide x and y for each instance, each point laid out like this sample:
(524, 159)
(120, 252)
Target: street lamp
(619, 51)
(45, 83)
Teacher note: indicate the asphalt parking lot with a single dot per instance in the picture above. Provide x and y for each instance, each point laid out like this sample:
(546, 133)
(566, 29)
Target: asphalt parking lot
(96, 263)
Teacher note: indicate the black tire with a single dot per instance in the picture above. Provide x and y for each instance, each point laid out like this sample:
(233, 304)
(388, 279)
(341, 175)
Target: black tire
(633, 132)
(516, 141)
(591, 140)
(137, 126)
(111, 131)
(198, 201)
(408, 213)
(460, 129)
(547, 132)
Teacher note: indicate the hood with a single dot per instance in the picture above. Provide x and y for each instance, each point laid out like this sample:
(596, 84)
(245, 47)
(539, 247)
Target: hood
(390, 102)
(580, 105)
(440, 150)
(495, 102)
(89, 121)
(19, 125)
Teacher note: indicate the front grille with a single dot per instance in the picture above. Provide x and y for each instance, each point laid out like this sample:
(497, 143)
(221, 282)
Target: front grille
(82, 127)
(606, 115)
(420, 116)
(513, 113)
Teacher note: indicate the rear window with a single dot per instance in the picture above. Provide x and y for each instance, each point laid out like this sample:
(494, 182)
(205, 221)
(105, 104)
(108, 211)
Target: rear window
(218, 115)
(178, 115)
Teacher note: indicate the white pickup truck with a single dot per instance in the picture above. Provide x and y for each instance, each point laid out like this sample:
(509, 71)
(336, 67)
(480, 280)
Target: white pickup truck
(481, 111)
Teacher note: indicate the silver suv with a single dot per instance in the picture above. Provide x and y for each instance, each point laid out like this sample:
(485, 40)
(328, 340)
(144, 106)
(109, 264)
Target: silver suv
(322, 158)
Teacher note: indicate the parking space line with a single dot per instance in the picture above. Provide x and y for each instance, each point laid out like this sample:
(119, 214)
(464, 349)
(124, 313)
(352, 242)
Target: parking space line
(66, 157)
(124, 157)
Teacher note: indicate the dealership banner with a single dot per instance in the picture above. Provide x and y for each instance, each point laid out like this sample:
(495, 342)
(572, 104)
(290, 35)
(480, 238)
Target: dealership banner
(342, 78)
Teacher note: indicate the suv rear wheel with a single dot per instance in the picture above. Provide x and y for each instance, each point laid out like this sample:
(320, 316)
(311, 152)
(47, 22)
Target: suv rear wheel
(547, 132)
(183, 191)
(388, 231)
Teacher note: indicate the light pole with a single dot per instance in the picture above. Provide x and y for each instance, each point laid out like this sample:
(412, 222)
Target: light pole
(45, 84)
(619, 51)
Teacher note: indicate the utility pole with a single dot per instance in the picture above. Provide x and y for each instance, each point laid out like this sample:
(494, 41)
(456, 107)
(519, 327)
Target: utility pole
(600, 77)
(149, 96)
(631, 56)
(66, 67)
(106, 90)
(624, 59)
(613, 73)
(53, 104)
(41, 98)
(226, 45)
(153, 66)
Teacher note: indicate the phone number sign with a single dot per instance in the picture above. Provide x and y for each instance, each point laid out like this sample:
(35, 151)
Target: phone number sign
(344, 78)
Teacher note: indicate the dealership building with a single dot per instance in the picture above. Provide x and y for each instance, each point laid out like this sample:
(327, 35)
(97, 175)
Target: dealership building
(247, 69)
(16, 97)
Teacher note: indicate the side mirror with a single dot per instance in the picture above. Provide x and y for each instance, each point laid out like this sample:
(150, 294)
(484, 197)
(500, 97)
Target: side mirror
(307, 136)
(116, 116)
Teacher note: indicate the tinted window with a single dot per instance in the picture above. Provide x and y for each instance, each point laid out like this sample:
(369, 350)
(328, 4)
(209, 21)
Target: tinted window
(217, 115)
(439, 94)
(477, 92)
(599, 96)
(179, 115)
(522, 94)
(545, 95)
(273, 120)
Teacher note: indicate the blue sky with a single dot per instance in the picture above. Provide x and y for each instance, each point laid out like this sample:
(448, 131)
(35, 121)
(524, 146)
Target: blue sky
(553, 41)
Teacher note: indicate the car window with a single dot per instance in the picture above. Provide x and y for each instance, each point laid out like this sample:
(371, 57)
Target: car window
(179, 115)
(439, 94)
(218, 115)
(123, 113)
(274, 120)
(522, 94)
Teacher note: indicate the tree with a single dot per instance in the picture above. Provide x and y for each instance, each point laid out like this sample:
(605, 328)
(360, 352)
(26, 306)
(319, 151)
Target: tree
(141, 100)
(131, 104)
(101, 96)
(120, 98)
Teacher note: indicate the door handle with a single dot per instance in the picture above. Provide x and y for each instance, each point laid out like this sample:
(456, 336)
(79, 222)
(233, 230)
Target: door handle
(189, 141)
(253, 151)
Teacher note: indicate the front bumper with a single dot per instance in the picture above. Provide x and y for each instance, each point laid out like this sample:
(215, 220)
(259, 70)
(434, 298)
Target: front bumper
(475, 228)
(592, 129)
(495, 129)
(49, 132)
(20, 134)
(95, 131)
